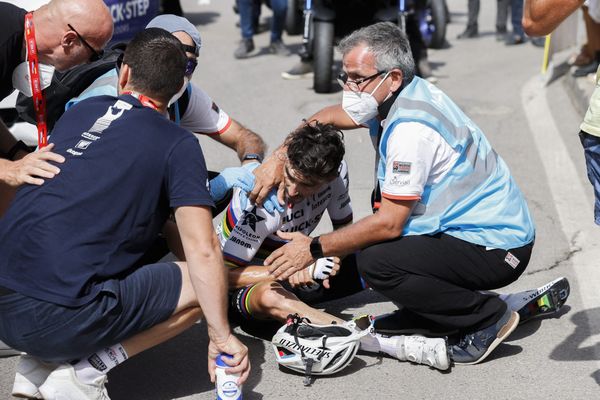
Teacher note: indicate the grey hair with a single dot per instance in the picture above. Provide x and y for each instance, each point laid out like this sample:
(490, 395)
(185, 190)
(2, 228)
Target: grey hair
(388, 44)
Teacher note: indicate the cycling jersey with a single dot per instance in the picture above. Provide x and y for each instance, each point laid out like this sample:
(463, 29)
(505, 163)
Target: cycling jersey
(251, 231)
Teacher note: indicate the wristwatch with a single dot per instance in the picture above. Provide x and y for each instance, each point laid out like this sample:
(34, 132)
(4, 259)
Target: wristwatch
(316, 251)
(252, 156)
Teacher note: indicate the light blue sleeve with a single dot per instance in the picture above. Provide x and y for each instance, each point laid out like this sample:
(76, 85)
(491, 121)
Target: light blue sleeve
(103, 85)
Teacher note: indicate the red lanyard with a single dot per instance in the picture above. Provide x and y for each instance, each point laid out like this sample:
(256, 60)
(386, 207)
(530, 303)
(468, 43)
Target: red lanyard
(39, 98)
(146, 102)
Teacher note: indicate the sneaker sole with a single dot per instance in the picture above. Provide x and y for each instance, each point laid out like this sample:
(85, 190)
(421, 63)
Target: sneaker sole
(288, 76)
(546, 300)
(24, 388)
(504, 332)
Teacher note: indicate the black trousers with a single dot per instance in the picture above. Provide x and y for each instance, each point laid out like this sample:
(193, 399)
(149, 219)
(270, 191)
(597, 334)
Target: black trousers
(438, 278)
(473, 13)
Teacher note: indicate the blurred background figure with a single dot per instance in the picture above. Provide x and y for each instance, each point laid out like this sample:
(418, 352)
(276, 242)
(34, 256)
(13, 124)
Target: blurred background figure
(516, 15)
(472, 29)
(589, 56)
(249, 19)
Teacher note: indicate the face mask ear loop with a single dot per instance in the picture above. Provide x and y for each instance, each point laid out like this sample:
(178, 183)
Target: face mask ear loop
(380, 83)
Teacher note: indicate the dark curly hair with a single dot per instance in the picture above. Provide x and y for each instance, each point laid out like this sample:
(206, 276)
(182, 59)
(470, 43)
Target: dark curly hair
(316, 150)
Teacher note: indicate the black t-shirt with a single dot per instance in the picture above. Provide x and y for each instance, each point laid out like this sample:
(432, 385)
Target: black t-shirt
(12, 30)
(126, 167)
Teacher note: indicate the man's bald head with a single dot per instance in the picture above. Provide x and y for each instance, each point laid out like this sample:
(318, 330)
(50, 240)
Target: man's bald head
(62, 47)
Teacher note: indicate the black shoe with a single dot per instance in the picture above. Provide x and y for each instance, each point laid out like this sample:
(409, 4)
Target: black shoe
(245, 49)
(279, 49)
(501, 35)
(585, 70)
(515, 39)
(475, 347)
(302, 70)
(469, 33)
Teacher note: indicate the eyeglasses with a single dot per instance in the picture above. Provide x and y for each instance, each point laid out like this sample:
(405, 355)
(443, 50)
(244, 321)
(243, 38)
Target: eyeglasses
(190, 66)
(354, 84)
(96, 55)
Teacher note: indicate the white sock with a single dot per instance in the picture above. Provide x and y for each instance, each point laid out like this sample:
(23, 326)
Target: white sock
(376, 343)
(99, 363)
(389, 345)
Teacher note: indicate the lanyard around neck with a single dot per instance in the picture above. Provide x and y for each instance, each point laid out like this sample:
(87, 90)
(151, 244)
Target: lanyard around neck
(145, 100)
(39, 97)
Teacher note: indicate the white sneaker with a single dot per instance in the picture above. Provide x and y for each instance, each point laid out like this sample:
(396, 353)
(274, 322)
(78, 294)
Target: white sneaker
(424, 350)
(63, 384)
(30, 375)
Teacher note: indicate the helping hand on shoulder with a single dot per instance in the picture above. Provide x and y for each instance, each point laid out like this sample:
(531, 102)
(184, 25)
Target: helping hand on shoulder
(33, 168)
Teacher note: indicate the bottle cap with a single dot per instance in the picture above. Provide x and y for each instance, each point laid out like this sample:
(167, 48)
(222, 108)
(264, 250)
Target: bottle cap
(219, 360)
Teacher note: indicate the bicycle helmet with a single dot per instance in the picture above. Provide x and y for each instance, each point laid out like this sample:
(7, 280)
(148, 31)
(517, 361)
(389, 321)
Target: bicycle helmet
(315, 349)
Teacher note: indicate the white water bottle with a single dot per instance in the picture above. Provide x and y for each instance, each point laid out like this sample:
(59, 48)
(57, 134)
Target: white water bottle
(226, 384)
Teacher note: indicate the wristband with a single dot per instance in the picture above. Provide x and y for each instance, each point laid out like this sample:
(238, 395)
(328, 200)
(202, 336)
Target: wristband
(252, 156)
(316, 251)
(15, 149)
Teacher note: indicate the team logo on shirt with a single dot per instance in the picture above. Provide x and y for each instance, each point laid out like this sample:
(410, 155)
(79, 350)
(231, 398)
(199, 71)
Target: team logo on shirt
(401, 167)
(250, 218)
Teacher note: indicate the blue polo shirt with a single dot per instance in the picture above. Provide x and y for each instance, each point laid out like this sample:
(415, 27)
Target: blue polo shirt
(126, 167)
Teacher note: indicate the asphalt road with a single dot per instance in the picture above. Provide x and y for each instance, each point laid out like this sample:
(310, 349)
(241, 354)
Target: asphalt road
(532, 127)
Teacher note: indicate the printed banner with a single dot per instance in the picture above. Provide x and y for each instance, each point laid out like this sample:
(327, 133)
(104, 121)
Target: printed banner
(131, 16)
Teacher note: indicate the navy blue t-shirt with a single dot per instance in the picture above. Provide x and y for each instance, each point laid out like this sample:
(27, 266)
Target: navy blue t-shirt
(126, 167)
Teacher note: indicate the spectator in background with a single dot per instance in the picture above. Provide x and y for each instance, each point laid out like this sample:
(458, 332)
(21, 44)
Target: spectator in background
(249, 15)
(541, 17)
(472, 29)
(589, 57)
(516, 15)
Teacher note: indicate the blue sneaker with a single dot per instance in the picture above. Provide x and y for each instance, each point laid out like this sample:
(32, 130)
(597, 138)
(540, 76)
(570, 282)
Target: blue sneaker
(474, 347)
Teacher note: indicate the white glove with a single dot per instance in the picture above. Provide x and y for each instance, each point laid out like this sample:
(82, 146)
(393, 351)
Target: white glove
(321, 269)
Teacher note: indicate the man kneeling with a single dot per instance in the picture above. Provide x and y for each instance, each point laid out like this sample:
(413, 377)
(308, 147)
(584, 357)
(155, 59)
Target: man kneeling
(316, 180)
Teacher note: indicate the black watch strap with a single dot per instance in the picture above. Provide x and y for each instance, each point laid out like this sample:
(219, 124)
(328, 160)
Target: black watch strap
(316, 251)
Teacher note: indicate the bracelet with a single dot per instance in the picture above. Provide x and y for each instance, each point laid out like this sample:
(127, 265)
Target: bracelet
(16, 148)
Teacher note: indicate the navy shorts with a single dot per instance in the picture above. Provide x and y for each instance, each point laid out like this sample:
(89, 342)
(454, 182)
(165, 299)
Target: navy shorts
(123, 308)
(591, 148)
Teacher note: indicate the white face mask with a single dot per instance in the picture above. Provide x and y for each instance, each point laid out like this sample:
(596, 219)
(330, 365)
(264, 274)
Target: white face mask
(22, 82)
(178, 95)
(361, 106)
